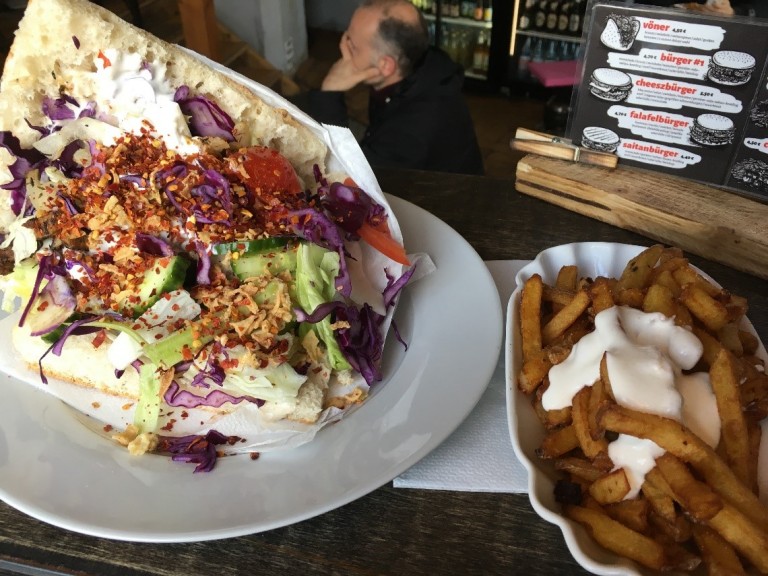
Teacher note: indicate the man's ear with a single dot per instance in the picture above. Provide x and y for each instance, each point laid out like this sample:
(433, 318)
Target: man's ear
(387, 66)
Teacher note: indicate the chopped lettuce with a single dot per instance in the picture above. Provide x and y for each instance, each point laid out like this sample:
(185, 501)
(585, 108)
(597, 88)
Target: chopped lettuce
(316, 272)
(275, 383)
(177, 305)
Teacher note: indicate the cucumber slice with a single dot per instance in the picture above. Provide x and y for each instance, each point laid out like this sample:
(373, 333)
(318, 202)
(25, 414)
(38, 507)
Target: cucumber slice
(171, 350)
(256, 265)
(166, 274)
(250, 246)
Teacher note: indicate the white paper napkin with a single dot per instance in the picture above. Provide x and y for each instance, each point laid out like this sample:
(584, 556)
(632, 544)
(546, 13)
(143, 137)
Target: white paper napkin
(478, 456)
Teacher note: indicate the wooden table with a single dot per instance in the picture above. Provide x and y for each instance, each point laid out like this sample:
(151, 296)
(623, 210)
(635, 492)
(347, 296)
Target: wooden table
(389, 531)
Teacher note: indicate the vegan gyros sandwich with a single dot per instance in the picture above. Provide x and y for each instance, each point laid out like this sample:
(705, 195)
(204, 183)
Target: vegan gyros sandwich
(179, 241)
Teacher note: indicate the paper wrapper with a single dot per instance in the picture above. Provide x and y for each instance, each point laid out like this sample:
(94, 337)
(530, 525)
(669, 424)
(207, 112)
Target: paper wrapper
(367, 270)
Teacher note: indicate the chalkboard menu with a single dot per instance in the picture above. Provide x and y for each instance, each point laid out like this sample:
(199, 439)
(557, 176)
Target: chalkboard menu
(678, 92)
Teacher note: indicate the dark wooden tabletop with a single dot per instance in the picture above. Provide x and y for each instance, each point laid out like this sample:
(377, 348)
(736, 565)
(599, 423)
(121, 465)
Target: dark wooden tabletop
(389, 531)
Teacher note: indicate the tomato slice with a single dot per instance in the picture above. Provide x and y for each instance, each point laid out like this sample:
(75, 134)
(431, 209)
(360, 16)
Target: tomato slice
(380, 238)
(269, 171)
(384, 243)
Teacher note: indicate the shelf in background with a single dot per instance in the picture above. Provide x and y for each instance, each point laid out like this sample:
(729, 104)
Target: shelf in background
(460, 21)
(550, 35)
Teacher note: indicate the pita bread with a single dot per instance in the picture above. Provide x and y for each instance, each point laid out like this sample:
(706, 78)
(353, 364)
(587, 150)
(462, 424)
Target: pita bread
(66, 48)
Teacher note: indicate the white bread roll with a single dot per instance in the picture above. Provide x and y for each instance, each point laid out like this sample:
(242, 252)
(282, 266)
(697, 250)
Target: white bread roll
(80, 363)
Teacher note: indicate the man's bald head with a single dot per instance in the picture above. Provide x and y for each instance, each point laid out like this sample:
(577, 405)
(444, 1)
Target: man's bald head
(402, 32)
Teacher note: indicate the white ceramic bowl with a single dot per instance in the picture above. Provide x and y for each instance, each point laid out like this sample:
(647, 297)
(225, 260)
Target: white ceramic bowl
(593, 259)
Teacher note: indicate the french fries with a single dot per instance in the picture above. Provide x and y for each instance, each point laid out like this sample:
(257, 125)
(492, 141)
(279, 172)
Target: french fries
(699, 504)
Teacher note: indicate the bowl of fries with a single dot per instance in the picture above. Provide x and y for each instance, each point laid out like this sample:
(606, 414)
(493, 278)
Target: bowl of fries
(698, 509)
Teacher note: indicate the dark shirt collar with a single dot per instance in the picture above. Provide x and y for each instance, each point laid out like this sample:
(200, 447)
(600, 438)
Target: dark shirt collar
(384, 95)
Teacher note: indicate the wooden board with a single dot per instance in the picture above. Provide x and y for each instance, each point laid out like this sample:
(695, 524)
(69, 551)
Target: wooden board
(700, 219)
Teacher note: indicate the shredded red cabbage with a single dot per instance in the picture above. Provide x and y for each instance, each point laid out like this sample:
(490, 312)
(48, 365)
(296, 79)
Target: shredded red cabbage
(350, 207)
(395, 286)
(211, 371)
(71, 208)
(43, 271)
(66, 162)
(361, 343)
(153, 245)
(59, 108)
(43, 130)
(214, 191)
(60, 294)
(70, 263)
(174, 396)
(319, 178)
(168, 176)
(25, 160)
(200, 450)
(203, 275)
(206, 118)
(77, 327)
(89, 111)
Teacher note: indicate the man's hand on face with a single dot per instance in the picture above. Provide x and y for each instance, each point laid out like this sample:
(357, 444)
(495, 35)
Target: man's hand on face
(344, 76)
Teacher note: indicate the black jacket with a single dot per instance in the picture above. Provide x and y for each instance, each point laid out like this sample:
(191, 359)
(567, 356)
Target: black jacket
(423, 123)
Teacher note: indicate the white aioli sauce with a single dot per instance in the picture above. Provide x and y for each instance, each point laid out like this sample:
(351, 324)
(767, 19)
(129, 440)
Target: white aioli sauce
(132, 93)
(646, 354)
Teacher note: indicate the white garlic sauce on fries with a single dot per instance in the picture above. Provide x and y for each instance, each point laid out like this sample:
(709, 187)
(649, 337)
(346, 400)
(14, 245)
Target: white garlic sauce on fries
(646, 355)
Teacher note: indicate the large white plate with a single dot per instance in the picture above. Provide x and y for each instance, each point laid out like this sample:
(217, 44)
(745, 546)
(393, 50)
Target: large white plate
(593, 259)
(55, 468)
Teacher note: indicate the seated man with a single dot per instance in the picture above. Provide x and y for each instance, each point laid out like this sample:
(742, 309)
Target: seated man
(418, 117)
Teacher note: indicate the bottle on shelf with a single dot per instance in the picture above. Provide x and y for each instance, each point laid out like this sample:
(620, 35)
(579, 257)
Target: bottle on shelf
(552, 14)
(455, 8)
(550, 51)
(537, 53)
(467, 9)
(575, 17)
(524, 59)
(527, 15)
(563, 50)
(540, 17)
(488, 10)
(481, 53)
(562, 17)
(478, 14)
